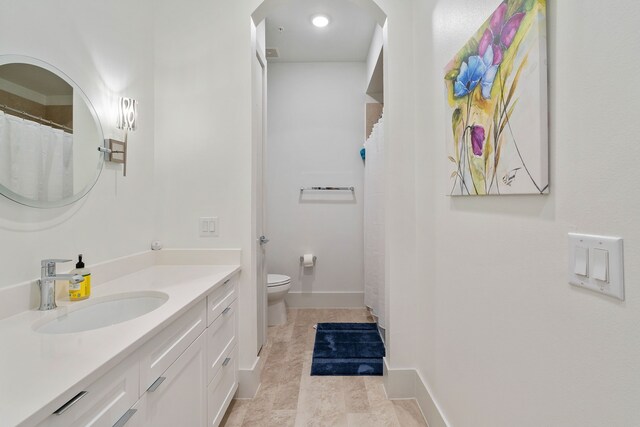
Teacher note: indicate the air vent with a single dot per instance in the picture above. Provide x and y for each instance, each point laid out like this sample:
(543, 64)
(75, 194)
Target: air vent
(273, 53)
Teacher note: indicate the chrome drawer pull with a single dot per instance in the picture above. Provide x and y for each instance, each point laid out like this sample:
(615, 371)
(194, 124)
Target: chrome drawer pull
(226, 282)
(126, 417)
(226, 310)
(153, 387)
(61, 410)
(226, 361)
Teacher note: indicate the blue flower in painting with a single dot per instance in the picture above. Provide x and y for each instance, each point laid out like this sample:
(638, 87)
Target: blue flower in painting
(469, 77)
(490, 73)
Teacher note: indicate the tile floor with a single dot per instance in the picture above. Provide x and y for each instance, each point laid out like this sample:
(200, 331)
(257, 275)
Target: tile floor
(289, 396)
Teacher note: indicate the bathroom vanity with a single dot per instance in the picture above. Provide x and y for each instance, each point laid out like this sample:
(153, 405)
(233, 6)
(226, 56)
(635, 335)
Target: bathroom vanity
(155, 345)
(173, 365)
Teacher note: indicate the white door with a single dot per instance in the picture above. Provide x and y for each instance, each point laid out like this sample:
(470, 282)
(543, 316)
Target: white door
(180, 398)
(259, 74)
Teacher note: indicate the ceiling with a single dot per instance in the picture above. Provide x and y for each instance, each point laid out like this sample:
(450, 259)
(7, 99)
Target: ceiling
(36, 79)
(346, 38)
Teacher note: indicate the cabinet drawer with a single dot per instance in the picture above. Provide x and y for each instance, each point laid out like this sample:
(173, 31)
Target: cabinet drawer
(222, 389)
(163, 349)
(220, 339)
(220, 299)
(103, 402)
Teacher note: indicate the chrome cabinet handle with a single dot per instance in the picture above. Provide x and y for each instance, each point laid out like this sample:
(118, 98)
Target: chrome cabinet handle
(75, 399)
(263, 240)
(226, 282)
(226, 310)
(226, 361)
(125, 418)
(153, 387)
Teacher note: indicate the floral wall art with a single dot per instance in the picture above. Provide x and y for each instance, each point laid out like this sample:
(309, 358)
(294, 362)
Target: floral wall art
(497, 105)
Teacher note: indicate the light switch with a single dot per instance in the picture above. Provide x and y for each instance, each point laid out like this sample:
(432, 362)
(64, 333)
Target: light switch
(601, 265)
(208, 226)
(581, 263)
(597, 263)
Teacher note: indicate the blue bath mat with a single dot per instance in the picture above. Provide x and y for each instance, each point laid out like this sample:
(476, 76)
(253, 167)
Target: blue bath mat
(347, 349)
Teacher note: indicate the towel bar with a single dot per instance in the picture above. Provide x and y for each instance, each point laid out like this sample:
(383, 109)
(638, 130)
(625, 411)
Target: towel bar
(327, 189)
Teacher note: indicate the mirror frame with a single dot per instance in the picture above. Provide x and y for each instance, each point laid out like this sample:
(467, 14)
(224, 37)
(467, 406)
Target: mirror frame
(44, 204)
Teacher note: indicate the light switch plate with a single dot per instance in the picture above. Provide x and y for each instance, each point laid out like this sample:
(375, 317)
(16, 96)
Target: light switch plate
(613, 245)
(208, 226)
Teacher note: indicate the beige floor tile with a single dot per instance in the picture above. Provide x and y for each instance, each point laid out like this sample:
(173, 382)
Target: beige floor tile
(321, 399)
(369, 420)
(290, 396)
(258, 410)
(235, 414)
(384, 411)
(408, 413)
(355, 394)
(287, 395)
(337, 419)
(375, 389)
(281, 419)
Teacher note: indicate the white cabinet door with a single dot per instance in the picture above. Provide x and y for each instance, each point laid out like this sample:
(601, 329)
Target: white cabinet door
(178, 397)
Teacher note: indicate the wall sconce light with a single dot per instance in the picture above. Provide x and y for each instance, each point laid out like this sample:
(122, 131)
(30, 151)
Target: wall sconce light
(127, 113)
(116, 151)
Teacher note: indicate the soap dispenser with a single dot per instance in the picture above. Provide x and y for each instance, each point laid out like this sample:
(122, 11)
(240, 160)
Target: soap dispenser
(82, 290)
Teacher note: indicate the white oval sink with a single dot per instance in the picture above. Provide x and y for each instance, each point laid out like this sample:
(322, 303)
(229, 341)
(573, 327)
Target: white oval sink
(101, 312)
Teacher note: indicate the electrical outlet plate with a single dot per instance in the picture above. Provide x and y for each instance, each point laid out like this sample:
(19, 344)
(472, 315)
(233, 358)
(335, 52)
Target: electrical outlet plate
(613, 245)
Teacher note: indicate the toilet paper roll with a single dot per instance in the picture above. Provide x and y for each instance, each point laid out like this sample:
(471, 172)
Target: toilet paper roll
(307, 260)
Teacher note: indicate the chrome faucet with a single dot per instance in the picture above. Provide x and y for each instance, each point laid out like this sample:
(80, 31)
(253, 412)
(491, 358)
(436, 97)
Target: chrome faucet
(48, 279)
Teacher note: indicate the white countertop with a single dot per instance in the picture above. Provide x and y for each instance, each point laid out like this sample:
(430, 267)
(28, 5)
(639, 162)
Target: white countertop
(38, 371)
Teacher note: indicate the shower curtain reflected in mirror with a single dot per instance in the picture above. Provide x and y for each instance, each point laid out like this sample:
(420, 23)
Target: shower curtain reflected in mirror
(36, 161)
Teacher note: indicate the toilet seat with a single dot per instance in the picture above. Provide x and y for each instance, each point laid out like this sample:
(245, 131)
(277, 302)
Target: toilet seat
(277, 280)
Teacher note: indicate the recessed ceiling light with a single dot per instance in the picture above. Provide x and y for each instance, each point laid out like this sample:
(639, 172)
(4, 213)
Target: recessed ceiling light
(320, 21)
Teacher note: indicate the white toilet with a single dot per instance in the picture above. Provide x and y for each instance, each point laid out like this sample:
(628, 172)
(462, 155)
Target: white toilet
(277, 287)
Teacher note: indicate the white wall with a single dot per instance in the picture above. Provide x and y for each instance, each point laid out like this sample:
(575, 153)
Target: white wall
(203, 134)
(377, 42)
(315, 133)
(108, 54)
(504, 339)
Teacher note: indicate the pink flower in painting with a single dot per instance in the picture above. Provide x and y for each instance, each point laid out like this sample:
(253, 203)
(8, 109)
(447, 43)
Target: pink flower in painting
(477, 139)
(500, 33)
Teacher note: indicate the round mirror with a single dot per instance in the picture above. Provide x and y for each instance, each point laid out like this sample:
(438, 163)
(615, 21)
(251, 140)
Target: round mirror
(49, 135)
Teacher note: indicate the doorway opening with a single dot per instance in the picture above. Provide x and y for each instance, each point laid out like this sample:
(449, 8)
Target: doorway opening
(319, 162)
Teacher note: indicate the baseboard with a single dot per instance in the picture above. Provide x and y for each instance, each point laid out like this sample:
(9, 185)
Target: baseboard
(407, 384)
(325, 299)
(249, 381)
